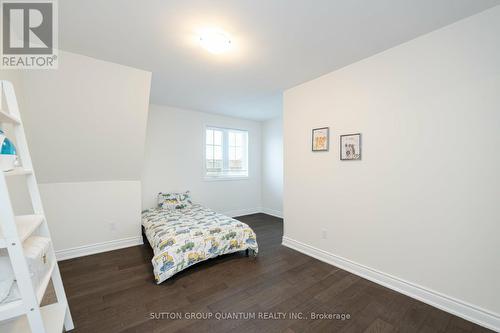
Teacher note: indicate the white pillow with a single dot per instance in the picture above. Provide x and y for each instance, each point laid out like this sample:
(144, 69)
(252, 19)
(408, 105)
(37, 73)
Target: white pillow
(174, 200)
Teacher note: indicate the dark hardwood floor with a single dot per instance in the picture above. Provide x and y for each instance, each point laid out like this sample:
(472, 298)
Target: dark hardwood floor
(115, 292)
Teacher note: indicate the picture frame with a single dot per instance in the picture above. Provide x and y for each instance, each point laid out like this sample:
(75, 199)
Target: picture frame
(350, 147)
(320, 140)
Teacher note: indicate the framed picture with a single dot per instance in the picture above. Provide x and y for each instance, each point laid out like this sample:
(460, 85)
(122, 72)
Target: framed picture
(350, 147)
(320, 139)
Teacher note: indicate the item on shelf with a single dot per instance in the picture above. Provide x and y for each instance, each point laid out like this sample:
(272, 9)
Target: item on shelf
(8, 155)
(38, 251)
(6, 278)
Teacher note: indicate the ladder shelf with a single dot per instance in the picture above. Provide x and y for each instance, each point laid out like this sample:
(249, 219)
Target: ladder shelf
(25, 314)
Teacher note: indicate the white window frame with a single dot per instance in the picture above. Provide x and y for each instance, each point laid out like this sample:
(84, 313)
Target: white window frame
(225, 153)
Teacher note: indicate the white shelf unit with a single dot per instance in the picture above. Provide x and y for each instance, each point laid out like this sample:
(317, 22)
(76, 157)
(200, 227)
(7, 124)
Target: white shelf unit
(26, 314)
(52, 317)
(26, 225)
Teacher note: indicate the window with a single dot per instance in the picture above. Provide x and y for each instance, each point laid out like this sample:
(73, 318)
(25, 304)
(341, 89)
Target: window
(226, 153)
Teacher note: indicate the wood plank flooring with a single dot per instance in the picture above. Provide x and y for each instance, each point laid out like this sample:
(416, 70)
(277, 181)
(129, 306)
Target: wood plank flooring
(115, 292)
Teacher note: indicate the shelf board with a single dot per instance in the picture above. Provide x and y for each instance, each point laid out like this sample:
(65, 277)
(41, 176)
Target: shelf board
(26, 225)
(45, 282)
(16, 308)
(11, 309)
(17, 172)
(53, 320)
(6, 117)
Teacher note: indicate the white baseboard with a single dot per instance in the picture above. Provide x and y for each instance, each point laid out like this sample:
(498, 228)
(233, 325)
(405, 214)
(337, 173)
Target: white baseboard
(241, 212)
(446, 303)
(249, 211)
(86, 250)
(272, 212)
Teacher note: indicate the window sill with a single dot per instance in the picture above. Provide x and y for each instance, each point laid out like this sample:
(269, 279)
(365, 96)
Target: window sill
(224, 178)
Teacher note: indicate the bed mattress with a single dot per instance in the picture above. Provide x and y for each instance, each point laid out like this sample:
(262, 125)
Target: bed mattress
(183, 237)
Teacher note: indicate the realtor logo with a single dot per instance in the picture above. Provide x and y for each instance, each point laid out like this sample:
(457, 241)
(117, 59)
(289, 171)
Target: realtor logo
(29, 34)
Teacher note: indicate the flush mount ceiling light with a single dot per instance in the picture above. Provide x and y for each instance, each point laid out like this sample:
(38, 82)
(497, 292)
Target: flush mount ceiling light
(215, 41)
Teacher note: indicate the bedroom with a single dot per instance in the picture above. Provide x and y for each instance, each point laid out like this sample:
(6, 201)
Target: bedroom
(280, 166)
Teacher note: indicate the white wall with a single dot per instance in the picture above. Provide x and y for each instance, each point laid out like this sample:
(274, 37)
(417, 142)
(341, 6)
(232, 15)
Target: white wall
(272, 166)
(174, 155)
(86, 123)
(423, 204)
(85, 217)
(92, 113)
(14, 76)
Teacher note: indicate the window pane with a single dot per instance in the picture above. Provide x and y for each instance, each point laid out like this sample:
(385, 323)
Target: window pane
(236, 158)
(235, 165)
(232, 153)
(236, 139)
(218, 153)
(239, 139)
(232, 139)
(210, 152)
(217, 137)
(210, 137)
(218, 164)
(226, 152)
(238, 153)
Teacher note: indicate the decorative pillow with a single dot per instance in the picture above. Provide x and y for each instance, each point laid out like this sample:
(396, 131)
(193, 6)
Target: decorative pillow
(174, 200)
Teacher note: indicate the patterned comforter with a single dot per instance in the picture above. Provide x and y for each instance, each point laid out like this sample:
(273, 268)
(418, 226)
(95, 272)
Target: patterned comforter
(183, 237)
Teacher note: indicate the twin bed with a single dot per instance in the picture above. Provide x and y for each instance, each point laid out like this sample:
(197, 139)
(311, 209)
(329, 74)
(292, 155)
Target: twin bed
(183, 234)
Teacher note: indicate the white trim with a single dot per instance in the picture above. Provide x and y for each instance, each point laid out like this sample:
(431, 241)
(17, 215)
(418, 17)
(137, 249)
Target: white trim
(86, 250)
(116, 244)
(446, 303)
(249, 211)
(241, 212)
(272, 212)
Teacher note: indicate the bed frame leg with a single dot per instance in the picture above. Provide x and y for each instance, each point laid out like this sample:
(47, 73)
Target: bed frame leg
(247, 252)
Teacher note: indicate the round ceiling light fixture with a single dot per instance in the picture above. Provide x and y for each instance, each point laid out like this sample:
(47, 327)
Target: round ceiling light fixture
(215, 41)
